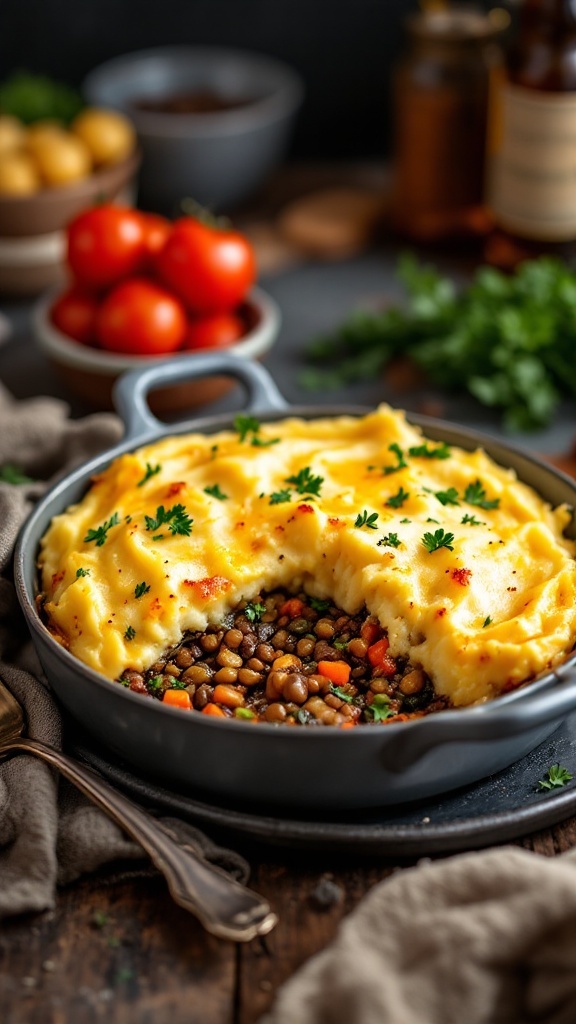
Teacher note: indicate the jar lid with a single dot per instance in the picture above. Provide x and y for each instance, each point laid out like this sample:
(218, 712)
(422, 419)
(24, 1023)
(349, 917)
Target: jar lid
(455, 24)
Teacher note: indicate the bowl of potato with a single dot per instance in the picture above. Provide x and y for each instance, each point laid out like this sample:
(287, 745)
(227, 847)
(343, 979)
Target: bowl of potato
(50, 168)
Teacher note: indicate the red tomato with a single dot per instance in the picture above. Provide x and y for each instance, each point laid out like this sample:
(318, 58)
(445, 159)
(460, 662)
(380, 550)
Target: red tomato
(140, 318)
(209, 268)
(156, 230)
(74, 313)
(216, 331)
(105, 244)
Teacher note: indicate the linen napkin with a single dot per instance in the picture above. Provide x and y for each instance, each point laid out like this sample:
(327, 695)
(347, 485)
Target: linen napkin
(49, 833)
(482, 938)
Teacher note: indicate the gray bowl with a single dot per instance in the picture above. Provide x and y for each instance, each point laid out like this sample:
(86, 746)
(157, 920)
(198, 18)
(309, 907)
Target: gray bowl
(216, 158)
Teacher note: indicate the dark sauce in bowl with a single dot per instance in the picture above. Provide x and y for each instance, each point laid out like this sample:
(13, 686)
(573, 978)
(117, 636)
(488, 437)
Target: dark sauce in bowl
(201, 102)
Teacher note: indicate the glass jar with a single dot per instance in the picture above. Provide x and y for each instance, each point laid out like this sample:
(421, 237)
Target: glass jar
(440, 109)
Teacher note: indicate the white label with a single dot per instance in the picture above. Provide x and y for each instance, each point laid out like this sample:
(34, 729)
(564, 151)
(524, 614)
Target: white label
(532, 168)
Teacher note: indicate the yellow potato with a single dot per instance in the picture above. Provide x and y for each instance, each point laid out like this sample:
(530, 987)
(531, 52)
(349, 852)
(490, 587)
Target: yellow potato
(63, 159)
(109, 136)
(42, 134)
(12, 133)
(18, 174)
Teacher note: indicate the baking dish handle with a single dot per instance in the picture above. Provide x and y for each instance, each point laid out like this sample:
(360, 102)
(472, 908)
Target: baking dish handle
(483, 724)
(132, 389)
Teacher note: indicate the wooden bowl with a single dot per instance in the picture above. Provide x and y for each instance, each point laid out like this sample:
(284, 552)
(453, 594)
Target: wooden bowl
(50, 209)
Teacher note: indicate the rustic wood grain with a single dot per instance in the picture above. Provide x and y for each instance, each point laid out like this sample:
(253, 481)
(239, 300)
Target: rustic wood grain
(121, 953)
(311, 896)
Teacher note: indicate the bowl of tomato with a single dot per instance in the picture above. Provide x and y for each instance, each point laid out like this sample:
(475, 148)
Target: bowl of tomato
(143, 289)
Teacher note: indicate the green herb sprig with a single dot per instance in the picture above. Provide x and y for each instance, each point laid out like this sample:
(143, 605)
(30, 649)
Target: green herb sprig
(254, 611)
(176, 518)
(100, 534)
(508, 340)
(305, 482)
(438, 539)
(390, 540)
(215, 492)
(369, 521)
(555, 778)
(150, 472)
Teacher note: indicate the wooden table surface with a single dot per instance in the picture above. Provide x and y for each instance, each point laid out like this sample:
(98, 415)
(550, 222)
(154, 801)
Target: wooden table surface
(116, 948)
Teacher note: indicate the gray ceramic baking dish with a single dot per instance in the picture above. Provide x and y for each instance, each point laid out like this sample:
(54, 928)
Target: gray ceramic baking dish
(237, 761)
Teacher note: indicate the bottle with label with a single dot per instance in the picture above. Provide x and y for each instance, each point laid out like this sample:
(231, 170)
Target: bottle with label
(531, 174)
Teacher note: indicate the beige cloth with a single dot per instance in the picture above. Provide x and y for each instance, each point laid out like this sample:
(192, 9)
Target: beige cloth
(49, 834)
(483, 938)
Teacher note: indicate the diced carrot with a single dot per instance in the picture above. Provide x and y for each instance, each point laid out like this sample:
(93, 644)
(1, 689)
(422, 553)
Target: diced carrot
(229, 696)
(387, 667)
(348, 725)
(293, 607)
(213, 709)
(370, 631)
(177, 699)
(337, 672)
(377, 651)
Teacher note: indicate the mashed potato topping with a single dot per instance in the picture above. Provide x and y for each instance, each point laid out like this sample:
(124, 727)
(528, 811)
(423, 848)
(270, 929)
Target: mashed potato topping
(465, 567)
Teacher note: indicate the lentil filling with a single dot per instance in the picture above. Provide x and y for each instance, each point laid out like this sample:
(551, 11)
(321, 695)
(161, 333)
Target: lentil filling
(293, 660)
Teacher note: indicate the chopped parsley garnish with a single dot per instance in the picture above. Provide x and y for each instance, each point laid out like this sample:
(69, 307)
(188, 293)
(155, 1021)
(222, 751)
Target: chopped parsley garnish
(472, 521)
(340, 645)
(439, 539)
(341, 694)
(476, 495)
(449, 497)
(277, 497)
(487, 622)
(379, 710)
(424, 451)
(430, 520)
(246, 425)
(158, 536)
(400, 460)
(11, 474)
(176, 518)
(555, 778)
(150, 471)
(82, 572)
(389, 541)
(398, 499)
(130, 633)
(213, 450)
(155, 683)
(215, 492)
(254, 611)
(141, 588)
(405, 520)
(257, 442)
(319, 605)
(363, 519)
(305, 482)
(101, 532)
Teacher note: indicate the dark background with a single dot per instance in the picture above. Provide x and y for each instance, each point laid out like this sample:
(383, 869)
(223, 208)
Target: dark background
(344, 50)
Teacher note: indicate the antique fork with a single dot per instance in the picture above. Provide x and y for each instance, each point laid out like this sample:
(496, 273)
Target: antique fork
(225, 908)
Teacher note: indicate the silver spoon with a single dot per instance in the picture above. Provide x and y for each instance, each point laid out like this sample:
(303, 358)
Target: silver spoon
(225, 908)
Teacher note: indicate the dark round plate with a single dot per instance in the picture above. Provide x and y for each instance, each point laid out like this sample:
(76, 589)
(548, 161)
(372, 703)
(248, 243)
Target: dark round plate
(502, 807)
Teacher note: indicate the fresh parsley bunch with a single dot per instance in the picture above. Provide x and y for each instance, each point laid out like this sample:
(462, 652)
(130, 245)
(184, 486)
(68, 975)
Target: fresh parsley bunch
(508, 340)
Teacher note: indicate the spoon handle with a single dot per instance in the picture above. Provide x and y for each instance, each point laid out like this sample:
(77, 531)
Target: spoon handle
(225, 908)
